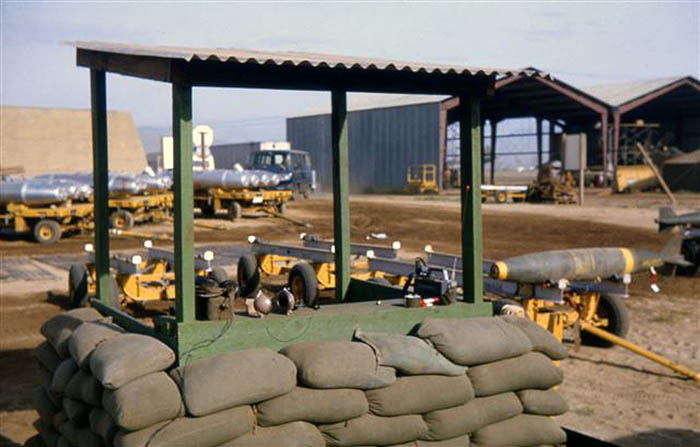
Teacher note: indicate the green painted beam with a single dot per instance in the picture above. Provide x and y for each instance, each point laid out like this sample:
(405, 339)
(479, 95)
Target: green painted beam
(470, 172)
(341, 192)
(183, 203)
(100, 176)
(332, 322)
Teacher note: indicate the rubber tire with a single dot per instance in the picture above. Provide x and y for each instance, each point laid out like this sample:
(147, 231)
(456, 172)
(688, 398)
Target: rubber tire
(218, 274)
(306, 193)
(500, 196)
(380, 281)
(235, 211)
(305, 273)
(618, 321)
(78, 286)
(282, 208)
(248, 275)
(126, 216)
(690, 249)
(207, 210)
(49, 224)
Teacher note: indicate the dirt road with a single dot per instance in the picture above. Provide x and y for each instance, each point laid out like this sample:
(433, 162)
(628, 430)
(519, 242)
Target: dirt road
(612, 394)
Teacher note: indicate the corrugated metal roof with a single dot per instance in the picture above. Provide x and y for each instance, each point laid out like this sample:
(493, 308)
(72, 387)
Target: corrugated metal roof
(621, 93)
(279, 58)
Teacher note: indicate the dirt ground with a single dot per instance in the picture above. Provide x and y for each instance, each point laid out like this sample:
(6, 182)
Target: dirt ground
(613, 394)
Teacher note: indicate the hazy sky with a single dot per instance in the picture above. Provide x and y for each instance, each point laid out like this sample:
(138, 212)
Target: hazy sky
(581, 43)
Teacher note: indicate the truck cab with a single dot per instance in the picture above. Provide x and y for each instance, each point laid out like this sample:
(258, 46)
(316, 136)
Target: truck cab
(293, 166)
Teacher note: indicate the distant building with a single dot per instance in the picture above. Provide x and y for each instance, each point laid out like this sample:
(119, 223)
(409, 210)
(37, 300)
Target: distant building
(227, 155)
(44, 141)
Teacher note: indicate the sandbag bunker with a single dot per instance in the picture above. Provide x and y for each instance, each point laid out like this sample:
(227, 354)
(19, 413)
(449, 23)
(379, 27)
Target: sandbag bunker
(485, 381)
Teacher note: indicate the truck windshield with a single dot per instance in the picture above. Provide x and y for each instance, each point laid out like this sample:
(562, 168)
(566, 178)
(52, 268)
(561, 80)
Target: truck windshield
(268, 159)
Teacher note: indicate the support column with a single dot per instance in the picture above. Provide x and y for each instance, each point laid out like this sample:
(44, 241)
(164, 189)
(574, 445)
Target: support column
(470, 171)
(341, 192)
(494, 129)
(539, 143)
(100, 181)
(483, 155)
(604, 142)
(616, 140)
(442, 142)
(183, 203)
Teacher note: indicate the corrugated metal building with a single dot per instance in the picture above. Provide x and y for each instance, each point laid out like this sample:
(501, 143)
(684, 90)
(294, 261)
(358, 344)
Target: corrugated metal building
(386, 135)
(226, 155)
(46, 141)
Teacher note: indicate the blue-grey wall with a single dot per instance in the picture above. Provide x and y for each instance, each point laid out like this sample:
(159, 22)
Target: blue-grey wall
(382, 143)
(226, 155)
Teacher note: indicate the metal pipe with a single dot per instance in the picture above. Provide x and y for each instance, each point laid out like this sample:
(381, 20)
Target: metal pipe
(639, 350)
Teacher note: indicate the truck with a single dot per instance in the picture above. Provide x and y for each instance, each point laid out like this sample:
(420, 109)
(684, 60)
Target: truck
(293, 166)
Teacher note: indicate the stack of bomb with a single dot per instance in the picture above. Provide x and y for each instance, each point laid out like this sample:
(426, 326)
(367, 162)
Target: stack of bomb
(122, 183)
(486, 382)
(231, 179)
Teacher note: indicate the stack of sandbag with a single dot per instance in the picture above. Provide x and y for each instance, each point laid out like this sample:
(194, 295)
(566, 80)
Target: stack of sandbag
(98, 381)
(456, 382)
(511, 369)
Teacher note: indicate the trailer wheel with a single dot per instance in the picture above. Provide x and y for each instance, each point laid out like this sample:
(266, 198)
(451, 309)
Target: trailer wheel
(78, 285)
(235, 211)
(304, 284)
(248, 275)
(690, 249)
(282, 208)
(47, 231)
(207, 210)
(306, 193)
(121, 220)
(614, 309)
(219, 275)
(500, 196)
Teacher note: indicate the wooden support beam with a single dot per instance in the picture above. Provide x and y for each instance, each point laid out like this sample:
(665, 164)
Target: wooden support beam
(539, 143)
(494, 130)
(183, 203)
(100, 173)
(470, 172)
(604, 130)
(616, 141)
(341, 192)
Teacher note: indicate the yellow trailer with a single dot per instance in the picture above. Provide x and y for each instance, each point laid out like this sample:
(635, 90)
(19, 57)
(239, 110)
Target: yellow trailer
(421, 179)
(127, 211)
(47, 223)
(233, 202)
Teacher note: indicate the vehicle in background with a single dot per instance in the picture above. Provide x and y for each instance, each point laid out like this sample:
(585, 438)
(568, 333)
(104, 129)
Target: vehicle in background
(293, 166)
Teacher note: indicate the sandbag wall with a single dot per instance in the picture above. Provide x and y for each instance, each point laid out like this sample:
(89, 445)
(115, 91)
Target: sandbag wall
(457, 382)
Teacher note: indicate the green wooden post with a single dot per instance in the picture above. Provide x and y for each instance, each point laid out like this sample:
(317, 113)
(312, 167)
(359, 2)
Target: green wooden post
(183, 203)
(100, 178)
(341, 198)
(470, 171)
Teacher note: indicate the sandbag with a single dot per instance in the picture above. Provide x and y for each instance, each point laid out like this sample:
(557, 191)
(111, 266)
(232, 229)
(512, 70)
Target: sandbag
(232, 379)
(294, 434)
(58, 329)
(45, 375)
(207, 431)
(60, 418)
(143, 402)
(532, 370)
(473, 341)
(546, 403)
(64, 442)
(64, 372)
(77, 411)
(521, 431)
(47, 433)
(87, 336)
(542, 340)
(464, 419)
(85, 387)
(315, 406)
(462, 441)
(338, 364)
(374, 430)
(420, 394)
(103, 425)
(44, 406)
(409, 355)
(121, 359)
(79, 436)
(47, 356)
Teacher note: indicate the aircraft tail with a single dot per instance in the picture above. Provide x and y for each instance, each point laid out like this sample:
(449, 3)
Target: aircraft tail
(665, 213)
